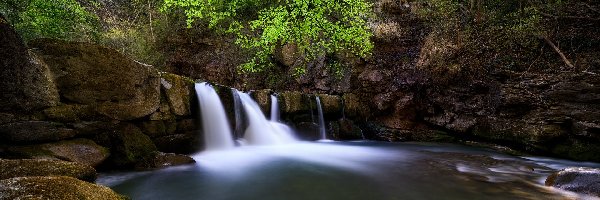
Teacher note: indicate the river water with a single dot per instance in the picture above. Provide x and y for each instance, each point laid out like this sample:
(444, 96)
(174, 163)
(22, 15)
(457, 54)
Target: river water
(360, 170)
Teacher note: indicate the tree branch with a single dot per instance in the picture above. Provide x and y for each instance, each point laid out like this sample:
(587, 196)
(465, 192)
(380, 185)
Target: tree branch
(562, 56)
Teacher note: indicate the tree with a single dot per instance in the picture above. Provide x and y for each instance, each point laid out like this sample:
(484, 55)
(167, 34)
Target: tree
(316, 27)
(63, 19)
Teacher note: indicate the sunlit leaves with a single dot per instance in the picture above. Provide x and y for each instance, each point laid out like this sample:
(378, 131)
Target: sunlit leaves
(316, 27)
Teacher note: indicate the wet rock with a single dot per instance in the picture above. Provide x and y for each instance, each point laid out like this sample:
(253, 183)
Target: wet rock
(25, 80)
(177, 91)
(353, 106)
(40, 167)
(293, 102)
(35, 132)
(186, 125)
(162, 160)
(128, 145)
(348, 130)
(82, 151)
(54, 187)
(308, 131)
(178, 143)
(89, 74)
(576, 179)
(331, 104)
(263, 98)
(158, 128)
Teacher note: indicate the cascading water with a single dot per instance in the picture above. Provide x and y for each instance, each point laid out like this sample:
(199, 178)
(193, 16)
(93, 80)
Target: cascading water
(237, 109)
(274, 109)
(260, 131)
(217, 134)
(321, 120)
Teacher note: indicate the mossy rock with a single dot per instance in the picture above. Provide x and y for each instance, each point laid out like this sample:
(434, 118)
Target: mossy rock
(263, 99)
(89, 74)
(177, 90)
(54, 187)
(40, 167)
(293, 102)
(331, 104)
(162, 160)
(83, 151)
(35, 132)
(128, 145)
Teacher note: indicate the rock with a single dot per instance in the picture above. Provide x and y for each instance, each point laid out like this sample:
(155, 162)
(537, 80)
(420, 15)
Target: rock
(35, 132)
(353, 106)
(178, 143)
(162, 160)
(287, 54)
(40, 167)
(308, 131)
(293, 102)
(82, 151)
(263, 99)
(89, 74)
(177, 91)
(348, 130)
(128, 145)
(331, 104)
(54, 187)
(576, 179)
(25, 80)
(158, 128)
(187, 125)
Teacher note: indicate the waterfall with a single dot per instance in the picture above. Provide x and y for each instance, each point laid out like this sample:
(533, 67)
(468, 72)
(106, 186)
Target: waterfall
(321, 120)
(217, 134)
(260, 131)
(237, 109)
(274, 109)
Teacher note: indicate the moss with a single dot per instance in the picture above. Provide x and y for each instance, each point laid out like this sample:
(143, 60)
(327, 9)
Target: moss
(37, 167)
(56, 187)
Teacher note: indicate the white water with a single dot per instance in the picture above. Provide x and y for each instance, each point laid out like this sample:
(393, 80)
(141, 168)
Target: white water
(274, 109)
(321, 120)
(217, 134)
(260, 131)
(237, 109)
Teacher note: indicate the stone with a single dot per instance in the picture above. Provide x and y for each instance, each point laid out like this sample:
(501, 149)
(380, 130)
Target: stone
(128, 145)
(177, 90)
(576, 179)
(293, 102)
(162, 160)
(287, 54)
(26, 81)
(54, 187)
(331, 104)
(187, 125)
(89, 74)
(263, 99)
(82, 151)
(35, 132)
(178, 143)
(353, 106)
(348, 130)
(41, 167)
(307, 131)
(158, 128)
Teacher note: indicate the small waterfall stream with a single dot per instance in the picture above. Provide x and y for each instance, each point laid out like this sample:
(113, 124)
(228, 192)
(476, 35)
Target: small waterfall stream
(217, 134)
(321, 120)
(260, 131)
(274, 108)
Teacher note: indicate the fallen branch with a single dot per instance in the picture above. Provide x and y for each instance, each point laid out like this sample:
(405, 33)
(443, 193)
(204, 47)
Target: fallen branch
(562, 56)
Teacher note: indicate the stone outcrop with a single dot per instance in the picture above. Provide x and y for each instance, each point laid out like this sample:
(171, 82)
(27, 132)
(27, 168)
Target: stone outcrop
(25, 80)
(82, 151)
(129, 146)
(37, 167)
(577, 179)
(35, 132)
(116, 87)
(54, 187)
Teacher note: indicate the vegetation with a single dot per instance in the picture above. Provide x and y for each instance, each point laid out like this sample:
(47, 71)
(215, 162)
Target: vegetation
(63, 19)
(316, 27)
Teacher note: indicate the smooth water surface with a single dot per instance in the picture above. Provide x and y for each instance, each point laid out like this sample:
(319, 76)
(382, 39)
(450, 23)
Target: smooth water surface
(346, 171)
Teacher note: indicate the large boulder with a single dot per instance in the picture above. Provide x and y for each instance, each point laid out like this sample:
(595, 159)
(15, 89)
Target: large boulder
(82, 151)
(40, 167)
(177, 90)
(35, 132)
(25, 80)
(128, 145)
(88, 74)
(576, 179)
(54, 187)
(331, 104)
(162, 160)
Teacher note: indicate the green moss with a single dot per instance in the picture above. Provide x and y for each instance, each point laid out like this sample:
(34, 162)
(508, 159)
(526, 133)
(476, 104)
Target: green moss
(54, 187)
(33, 167)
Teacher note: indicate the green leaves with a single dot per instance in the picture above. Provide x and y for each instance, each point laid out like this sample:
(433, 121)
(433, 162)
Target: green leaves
(317, 27)
(64, 19)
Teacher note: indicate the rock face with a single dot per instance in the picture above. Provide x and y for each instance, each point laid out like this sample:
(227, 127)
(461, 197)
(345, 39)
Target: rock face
(35, 167)
(25, 80)
(129, 146)
(34, 131)
(54, 187)
(82, 151)
(115, 86)
(177, 90)
(576, 179)
(161, 160)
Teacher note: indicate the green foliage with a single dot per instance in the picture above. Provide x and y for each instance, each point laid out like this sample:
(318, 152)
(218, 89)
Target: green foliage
(317, 27)
(62, 19)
